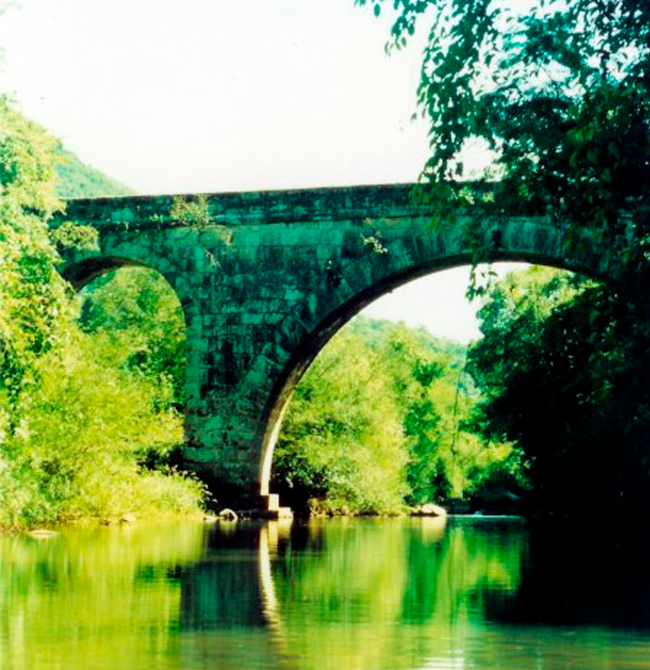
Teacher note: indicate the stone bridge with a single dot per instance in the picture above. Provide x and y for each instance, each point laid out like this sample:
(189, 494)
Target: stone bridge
(265, 279)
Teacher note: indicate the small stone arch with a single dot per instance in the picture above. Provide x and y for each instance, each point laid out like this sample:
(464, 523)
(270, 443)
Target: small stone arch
(83, 272)
(79, 269)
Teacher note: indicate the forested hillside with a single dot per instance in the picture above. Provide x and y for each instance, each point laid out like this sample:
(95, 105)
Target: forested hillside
(78, 180)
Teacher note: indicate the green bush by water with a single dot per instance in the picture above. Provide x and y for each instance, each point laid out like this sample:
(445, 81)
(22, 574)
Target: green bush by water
(75, 422)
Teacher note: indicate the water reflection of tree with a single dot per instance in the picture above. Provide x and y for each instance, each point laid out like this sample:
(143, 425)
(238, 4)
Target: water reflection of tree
(582, 576)
(385, 594)
(94, 596)
(345, 594)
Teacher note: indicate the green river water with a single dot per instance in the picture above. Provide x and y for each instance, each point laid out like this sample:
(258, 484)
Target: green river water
(341, 594)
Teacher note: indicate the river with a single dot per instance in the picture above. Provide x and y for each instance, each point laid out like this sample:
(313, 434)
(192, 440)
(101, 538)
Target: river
(340, 594)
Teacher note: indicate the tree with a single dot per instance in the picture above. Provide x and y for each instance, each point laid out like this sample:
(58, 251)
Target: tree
(564, 367)
(32, 295)
(342, 440)
(378, 421)
(74, 427)
(511, 319)
(560, 92)
(136, 309)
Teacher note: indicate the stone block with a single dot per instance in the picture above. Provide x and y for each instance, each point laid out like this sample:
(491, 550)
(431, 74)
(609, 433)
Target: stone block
(269, 502)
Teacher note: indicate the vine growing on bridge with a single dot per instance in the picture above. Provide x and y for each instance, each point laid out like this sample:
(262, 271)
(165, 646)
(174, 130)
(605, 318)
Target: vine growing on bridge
(195, 211)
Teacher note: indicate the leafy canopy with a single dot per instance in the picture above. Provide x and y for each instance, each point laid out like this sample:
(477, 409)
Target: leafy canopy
(377, 421)
(32, 295)
(558, 89)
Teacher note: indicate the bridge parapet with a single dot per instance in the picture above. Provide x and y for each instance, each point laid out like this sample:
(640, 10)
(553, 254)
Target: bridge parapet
(258, 208)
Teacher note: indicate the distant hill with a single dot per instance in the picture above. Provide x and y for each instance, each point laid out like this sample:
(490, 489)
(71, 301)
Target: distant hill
(376, 331)
(78, 180)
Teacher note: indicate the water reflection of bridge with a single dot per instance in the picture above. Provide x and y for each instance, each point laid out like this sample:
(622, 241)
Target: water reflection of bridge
(348, 594)
(232, 615)
(229, 609)
(233, 586)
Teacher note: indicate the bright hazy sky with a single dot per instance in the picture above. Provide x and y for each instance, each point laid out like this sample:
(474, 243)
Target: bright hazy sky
(217, 95)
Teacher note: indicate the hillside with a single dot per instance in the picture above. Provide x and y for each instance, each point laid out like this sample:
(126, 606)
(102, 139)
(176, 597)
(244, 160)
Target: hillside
(78, 180)
(375, 331)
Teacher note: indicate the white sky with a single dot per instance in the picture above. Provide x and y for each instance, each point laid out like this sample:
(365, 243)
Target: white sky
(217, 95)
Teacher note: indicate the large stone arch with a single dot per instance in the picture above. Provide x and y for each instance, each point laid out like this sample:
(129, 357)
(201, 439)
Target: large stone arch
(265, 279)
(404, 259)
